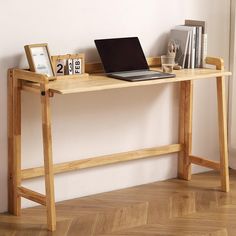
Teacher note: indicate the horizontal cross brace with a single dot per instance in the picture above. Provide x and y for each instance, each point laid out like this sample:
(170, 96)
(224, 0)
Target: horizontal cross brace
(102, 160)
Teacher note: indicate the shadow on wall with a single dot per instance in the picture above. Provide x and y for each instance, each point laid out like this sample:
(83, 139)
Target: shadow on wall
(14, 61)
(161, 42)
(5, 63)
(91, 54)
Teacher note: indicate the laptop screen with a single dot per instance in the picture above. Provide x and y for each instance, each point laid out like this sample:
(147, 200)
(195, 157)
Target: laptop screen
(121, 54)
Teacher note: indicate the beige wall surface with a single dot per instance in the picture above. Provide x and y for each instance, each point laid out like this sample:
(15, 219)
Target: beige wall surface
(232, 87)
(99, 123)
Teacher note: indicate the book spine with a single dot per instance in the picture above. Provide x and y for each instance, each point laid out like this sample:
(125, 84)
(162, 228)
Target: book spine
(196, 47)
(190, 45)
(183, 58)
(188, 52)
(199, 47)
(204, 49)
(193, 48)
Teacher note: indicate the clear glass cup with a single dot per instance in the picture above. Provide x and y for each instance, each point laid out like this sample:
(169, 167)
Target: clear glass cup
(167, 63)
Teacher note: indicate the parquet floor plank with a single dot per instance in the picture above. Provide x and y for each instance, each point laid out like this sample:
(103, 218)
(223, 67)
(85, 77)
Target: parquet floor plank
(169, 208)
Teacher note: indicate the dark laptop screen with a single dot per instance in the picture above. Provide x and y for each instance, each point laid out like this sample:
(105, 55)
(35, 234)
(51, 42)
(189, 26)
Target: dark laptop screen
(121, 54)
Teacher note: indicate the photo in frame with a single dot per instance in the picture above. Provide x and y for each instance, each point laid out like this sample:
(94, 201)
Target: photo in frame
(39, 59)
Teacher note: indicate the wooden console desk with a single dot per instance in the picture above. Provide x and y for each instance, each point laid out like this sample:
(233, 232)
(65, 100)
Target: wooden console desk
(21, 80)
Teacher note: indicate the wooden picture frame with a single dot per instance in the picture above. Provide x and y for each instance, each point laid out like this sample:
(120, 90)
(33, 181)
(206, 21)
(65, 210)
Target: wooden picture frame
(39, 59)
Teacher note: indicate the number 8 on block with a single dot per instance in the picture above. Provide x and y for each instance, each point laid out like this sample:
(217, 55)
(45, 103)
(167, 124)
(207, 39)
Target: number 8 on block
(77, 66)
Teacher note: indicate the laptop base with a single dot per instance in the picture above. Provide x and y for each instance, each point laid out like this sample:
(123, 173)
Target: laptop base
(146, 76)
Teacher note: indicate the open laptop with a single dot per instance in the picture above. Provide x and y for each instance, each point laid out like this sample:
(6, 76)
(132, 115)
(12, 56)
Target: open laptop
(123, 58)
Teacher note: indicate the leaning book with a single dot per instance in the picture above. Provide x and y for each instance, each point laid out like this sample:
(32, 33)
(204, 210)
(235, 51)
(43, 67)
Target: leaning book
(181, 39)
(191, 45)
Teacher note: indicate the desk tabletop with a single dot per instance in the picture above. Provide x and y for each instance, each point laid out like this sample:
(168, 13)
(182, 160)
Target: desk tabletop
(97, 82)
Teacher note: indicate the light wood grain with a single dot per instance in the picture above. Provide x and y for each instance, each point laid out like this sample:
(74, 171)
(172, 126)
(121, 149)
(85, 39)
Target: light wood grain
(222, 119)
(22, 80)
(94, 67)
(173, 207)
(185, 129)
(15, 159)
(216, 61)
(31, 87)
(188, 127)
(101, 82)
(154, 61)
(11, 186)
(181, 128)
(48, 161)
(32, 195)
(97, 82)
(222, 122)
(30, 76)
(204, 162)
(102, 160)
(30, 59)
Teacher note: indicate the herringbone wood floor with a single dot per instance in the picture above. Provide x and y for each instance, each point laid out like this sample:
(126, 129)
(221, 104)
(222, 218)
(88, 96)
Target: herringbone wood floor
(172, 207)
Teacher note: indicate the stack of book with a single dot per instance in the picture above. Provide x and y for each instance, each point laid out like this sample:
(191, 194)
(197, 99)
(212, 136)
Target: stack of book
(191, 43)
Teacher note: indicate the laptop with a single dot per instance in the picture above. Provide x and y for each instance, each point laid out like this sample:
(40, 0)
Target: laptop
(123, 58)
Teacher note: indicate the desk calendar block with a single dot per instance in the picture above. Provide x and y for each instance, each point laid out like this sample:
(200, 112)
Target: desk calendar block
(70, 66)
(60, 67)
(77, 66)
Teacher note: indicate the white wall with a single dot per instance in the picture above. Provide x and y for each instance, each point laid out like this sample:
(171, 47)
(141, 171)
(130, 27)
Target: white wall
(232, 88)
(233, 117)
(105, 122)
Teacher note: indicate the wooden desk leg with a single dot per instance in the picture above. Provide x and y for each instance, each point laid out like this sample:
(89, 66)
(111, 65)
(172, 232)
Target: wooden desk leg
(48, 162)
(185, 129)
(14, 143)
(222, 117)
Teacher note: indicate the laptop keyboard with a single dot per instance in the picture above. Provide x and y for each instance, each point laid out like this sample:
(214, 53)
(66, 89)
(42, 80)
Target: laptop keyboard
(136, 73)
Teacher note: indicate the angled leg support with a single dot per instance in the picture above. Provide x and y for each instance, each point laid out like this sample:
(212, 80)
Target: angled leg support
(48, 161)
